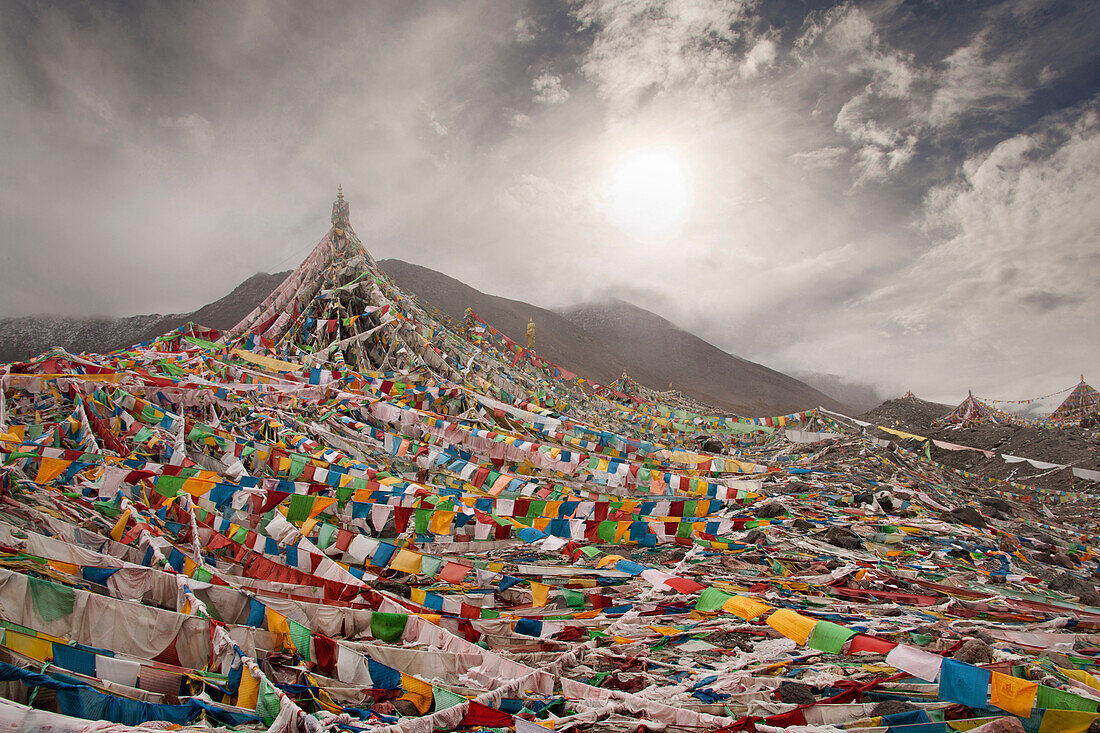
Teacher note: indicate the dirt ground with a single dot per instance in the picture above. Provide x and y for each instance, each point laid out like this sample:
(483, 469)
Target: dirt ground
(1070, 446)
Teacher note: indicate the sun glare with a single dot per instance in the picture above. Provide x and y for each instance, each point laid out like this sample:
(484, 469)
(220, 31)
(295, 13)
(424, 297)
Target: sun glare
(647, 194)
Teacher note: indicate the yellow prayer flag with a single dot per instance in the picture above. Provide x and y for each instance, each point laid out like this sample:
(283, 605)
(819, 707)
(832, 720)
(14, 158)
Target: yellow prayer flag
(540, 592)
(440, 523)
(418, 692)
(406, 561)
(120, 526)
(1066, 721)
(665, 630)
(745, 607)
(197, 487)
(1081, 676)
(64, 567)
(27, 645)
(277, 624)
(249, 690)
(608, 560)
(792, 625)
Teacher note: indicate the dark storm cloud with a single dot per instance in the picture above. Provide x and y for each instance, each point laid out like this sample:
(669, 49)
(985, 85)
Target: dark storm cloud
(893, 191)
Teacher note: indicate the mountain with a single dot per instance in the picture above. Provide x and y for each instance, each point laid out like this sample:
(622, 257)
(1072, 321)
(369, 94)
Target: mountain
(597, 340)
(31, 335)
(602, 340)
(556, 338)
(659, 353)
(859, 395)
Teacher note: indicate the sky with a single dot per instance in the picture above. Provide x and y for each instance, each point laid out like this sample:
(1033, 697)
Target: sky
(906, 194)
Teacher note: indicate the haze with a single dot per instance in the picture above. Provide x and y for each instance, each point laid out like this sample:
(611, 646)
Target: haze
(900, 193)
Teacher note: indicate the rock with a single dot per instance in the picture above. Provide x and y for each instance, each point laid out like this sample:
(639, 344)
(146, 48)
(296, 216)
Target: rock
(843, 537)
(802, 524)
(968, 515)
(890, 707)
(1074, 586)
(797, 693)
(1094, 726)
(1063, 559)
(754, 537)
(406, 707)
(710, 445)
(1008, 543)
(796, 487)
(997, 503)
(390, 586)
(770, 510)
(984, 636)
(974, 651)
(1007, 724)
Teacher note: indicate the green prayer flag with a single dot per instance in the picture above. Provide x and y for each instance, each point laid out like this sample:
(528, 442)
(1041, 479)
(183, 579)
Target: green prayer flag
(387, 627)
(51, 601)
(445, 698)
(574, 599)
(169, 485)
(300, 507)
(711, 599)
(430, 565)
(267, 702)
(829, 637)
(300, 636)
(326, 535)
(1049, 697)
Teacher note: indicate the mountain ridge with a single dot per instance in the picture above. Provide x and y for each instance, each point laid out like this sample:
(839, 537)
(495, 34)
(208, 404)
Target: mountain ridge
(599, 341)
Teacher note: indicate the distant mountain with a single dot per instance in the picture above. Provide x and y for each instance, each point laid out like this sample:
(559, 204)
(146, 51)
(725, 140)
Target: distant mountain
(659, 353)
(556, 338)
(602, 340)
(28, 336)
(597, 340)
(859, 395)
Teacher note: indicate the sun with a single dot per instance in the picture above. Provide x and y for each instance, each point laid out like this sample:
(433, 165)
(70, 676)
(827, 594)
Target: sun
(647, 194)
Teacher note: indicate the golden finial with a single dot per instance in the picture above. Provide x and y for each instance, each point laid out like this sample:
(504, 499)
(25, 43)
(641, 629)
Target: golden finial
(339, 190)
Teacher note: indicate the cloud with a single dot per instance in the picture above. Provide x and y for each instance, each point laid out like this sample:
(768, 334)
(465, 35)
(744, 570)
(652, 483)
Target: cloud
(1012, 276)
(972, 82)
(548, 89)
(760, 57)
(195, 125)
(821, 158)
(646, 47)
(889, 191)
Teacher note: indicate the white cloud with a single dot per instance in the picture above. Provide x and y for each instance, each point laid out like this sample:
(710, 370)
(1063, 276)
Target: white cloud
(760, 57)
(971, 81)
(828, 157)
(195, 125)
(643, 47)
(1012, 277)
(548, 89)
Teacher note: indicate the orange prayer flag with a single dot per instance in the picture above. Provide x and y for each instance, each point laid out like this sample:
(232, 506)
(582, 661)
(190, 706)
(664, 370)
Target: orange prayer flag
(49, 469)
(1013, 694)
